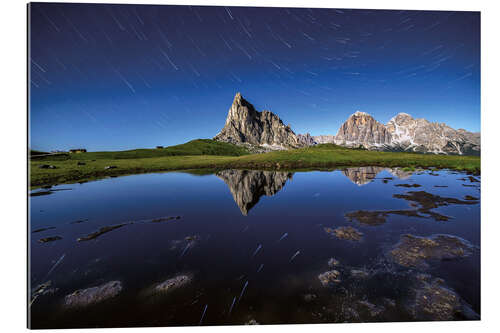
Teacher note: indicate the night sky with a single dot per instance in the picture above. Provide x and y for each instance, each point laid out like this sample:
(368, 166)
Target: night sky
(110, 77)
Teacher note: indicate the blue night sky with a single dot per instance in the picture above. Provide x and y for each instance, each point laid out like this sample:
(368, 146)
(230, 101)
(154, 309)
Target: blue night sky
(110, 77)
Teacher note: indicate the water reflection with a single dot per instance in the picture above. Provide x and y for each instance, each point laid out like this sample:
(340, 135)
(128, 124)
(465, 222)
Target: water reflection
(247, 186)
(172, 264)
(364, 175)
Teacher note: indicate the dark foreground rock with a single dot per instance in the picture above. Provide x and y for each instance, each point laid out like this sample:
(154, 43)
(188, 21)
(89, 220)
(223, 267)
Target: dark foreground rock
(100, 232)
(47, 166)
(49, 239)
(346, 233)
(414, 251)
(42, 229)
(93, 295)
(164, 219)
(408, 185)
(172, 284)
(423, 203)
(40, 290)
(435, 301)
(329, 277)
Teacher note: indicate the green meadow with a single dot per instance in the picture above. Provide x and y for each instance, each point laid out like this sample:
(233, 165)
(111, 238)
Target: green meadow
(212, 155)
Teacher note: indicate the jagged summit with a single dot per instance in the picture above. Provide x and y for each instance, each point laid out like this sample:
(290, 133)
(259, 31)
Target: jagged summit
(362, 129)
(360, 113)
(265, 130)
(245, 125)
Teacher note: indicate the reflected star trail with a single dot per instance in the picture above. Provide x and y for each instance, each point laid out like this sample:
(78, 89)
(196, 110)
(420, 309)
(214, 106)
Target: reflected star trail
(110, 77)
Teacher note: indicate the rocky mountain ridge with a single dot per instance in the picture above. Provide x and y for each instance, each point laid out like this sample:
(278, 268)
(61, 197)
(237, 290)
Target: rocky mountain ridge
(245, 125)
(266, 131)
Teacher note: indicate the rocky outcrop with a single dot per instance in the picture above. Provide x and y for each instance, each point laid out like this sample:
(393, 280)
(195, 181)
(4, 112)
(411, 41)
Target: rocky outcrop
(404, 133)
(248, 186)
(93, 295)
(320, 139)
(420, 135)
(264, 131)
(245, 125)
(361, 129)
(306, 139)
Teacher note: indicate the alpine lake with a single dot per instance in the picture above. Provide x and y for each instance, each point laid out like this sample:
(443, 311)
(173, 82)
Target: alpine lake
(366, 244)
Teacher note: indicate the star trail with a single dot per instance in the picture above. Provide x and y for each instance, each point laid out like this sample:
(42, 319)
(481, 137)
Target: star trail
(108, 77)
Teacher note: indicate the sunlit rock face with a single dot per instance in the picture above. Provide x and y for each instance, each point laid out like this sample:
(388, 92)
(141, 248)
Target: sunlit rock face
(245, 125)
(319, 139)
(265, 132)
(361, 129)
(404, 133)
(248, 186)
(306, 139)
(420, 135)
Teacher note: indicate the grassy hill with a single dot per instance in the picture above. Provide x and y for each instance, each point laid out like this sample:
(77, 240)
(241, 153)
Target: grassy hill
(191, 148)
(209, 154)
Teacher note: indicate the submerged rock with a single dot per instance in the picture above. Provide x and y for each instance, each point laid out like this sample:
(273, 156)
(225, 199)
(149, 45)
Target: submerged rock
(252, 322)
(408, 185)
(78, 221)
(373, 310)
(310, 297)
(172, 284)
(101, 231)
(428, 201)
(348, 233)
(423, 203)
(42, 229)
(40, 193)
(49, 239)
(93, 295)
(368, 217)
(332, 262)
(434, 301)
(359, 273)
(40, 290)
(164, 219)
(329, 277)
(414, 251)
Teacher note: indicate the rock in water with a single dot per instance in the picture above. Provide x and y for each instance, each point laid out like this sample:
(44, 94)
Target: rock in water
(90, 296)
(172, 284)
(245, 125)
(329, 277)
(414, 251)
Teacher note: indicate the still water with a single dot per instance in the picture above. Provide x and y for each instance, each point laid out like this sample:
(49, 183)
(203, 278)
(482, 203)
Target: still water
(252, 245)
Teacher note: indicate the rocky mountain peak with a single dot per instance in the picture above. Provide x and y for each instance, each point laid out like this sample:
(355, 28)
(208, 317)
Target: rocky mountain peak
(245, 125)
(361, 129)
(360, 114)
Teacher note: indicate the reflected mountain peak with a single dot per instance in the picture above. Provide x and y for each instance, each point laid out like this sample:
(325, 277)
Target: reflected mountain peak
(248, 186)
(364, 175)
